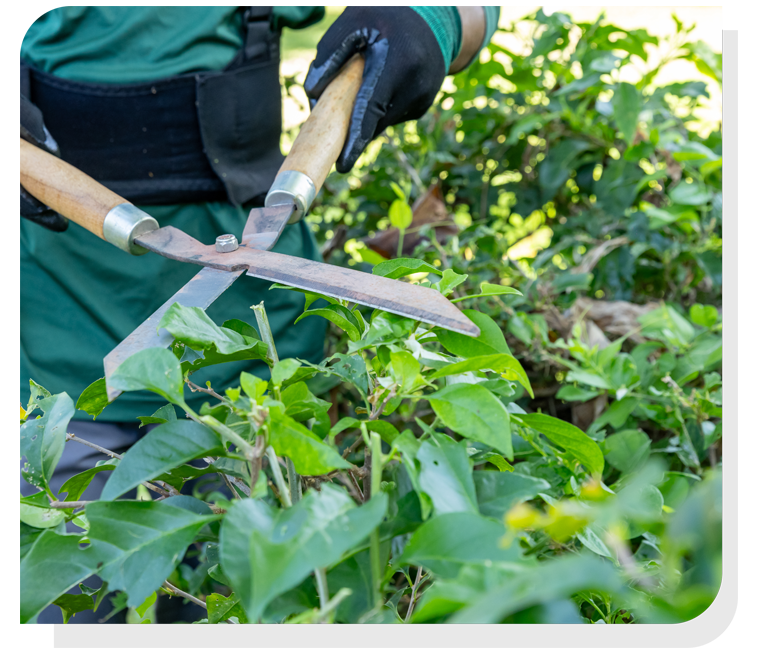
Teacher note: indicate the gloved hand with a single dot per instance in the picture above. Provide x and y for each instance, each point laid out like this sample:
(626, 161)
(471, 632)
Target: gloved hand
(33, 130)
(403, 71)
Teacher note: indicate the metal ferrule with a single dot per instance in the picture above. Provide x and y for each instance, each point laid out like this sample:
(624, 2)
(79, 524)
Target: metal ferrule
(292, 187)
(124, 223)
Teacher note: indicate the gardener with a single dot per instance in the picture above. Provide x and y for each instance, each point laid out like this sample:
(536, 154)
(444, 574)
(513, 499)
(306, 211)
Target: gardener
(178, 110)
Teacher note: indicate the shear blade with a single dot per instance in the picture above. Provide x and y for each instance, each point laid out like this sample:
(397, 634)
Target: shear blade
(417, 302)
(201, 291)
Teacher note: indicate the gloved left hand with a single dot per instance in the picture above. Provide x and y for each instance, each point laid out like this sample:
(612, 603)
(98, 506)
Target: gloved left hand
(403, 71)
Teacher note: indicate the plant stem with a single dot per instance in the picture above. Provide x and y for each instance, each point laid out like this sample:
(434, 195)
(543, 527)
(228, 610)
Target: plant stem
(374, 537)
(175, 590)
(401, 234)
(414, 589)
(247, 449)
(96, 447)
(62, 505)
(321, 587)
(265, 331)
(113, 454)
(293, 481)
(284, 492)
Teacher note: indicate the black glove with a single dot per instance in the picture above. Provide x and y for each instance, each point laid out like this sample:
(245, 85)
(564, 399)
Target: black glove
(403, 72)
(33, 130)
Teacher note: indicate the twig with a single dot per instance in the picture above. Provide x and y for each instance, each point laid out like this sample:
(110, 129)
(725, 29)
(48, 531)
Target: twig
(231, 487)
(112, 454)
(194, 387)
(349, 450)
(414, 588)
(169, 491)
(63, 505)
(378, 410)
(358, 489)
(293, 481)
(284, 492)
(406, 164)
(353, 490)
(265, 331)
(168, 587)
(321, 587)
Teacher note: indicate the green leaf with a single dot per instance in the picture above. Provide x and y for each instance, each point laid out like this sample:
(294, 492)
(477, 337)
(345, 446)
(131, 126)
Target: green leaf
(504, 364)
(693, 194)
(573, 393)
(400, 214)
(488, 290)
(446, 477)
(449, 281)
(301, 404)
(627, 450)
(43, 439)
(35, 511)
(284, 370)
(401, 267)
(705, 316)
(351, 369)
(490, 341)
(161, 450)
(405, 370)
(616, 415)
(145, 605)
(627, 104)
(265, 551)
(340, 317)
(94, 399)
(568, 437)
(77, 484)
(553, 579)
(474, 412)
(220, 608)
(192, 327)
(70, 604)
(446, 542)
(499, 462)
(161, 416)
(139, 543)
(54, 564)
(589, 378)
(310, 456)
(155, 369)
(497, 492)
(254, 387)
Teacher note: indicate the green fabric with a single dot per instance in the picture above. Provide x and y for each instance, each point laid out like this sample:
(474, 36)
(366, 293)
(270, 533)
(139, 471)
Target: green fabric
(445, 24)
(81, 296)
(127, 44)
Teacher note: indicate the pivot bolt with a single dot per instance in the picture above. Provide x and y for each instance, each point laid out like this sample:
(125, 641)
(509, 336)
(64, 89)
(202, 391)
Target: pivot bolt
(226, 243)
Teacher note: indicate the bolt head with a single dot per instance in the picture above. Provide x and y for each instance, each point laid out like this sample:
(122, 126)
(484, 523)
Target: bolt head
(226, 243)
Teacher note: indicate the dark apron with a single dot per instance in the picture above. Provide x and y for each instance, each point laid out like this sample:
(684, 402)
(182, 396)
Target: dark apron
(198, 137)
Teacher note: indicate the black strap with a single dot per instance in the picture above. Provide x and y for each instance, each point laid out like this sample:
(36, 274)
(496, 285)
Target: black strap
(209, 136)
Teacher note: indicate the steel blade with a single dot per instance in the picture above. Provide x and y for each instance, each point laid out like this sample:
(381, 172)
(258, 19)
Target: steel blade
(265, 226)
(201, 291)
(417, 302)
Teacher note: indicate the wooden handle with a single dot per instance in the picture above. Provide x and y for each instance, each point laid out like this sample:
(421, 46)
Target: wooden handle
(322, 136)
(66, 189)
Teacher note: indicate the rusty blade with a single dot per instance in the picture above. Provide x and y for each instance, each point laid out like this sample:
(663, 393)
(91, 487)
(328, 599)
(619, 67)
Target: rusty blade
(265, 226)
(201, 291)
(417, 302)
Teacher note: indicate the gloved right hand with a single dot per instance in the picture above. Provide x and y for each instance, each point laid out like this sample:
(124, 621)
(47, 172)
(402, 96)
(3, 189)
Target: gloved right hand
(33, 130)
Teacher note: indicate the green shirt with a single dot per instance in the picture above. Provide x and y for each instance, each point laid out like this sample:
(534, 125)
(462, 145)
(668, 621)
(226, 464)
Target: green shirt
(81, 296)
